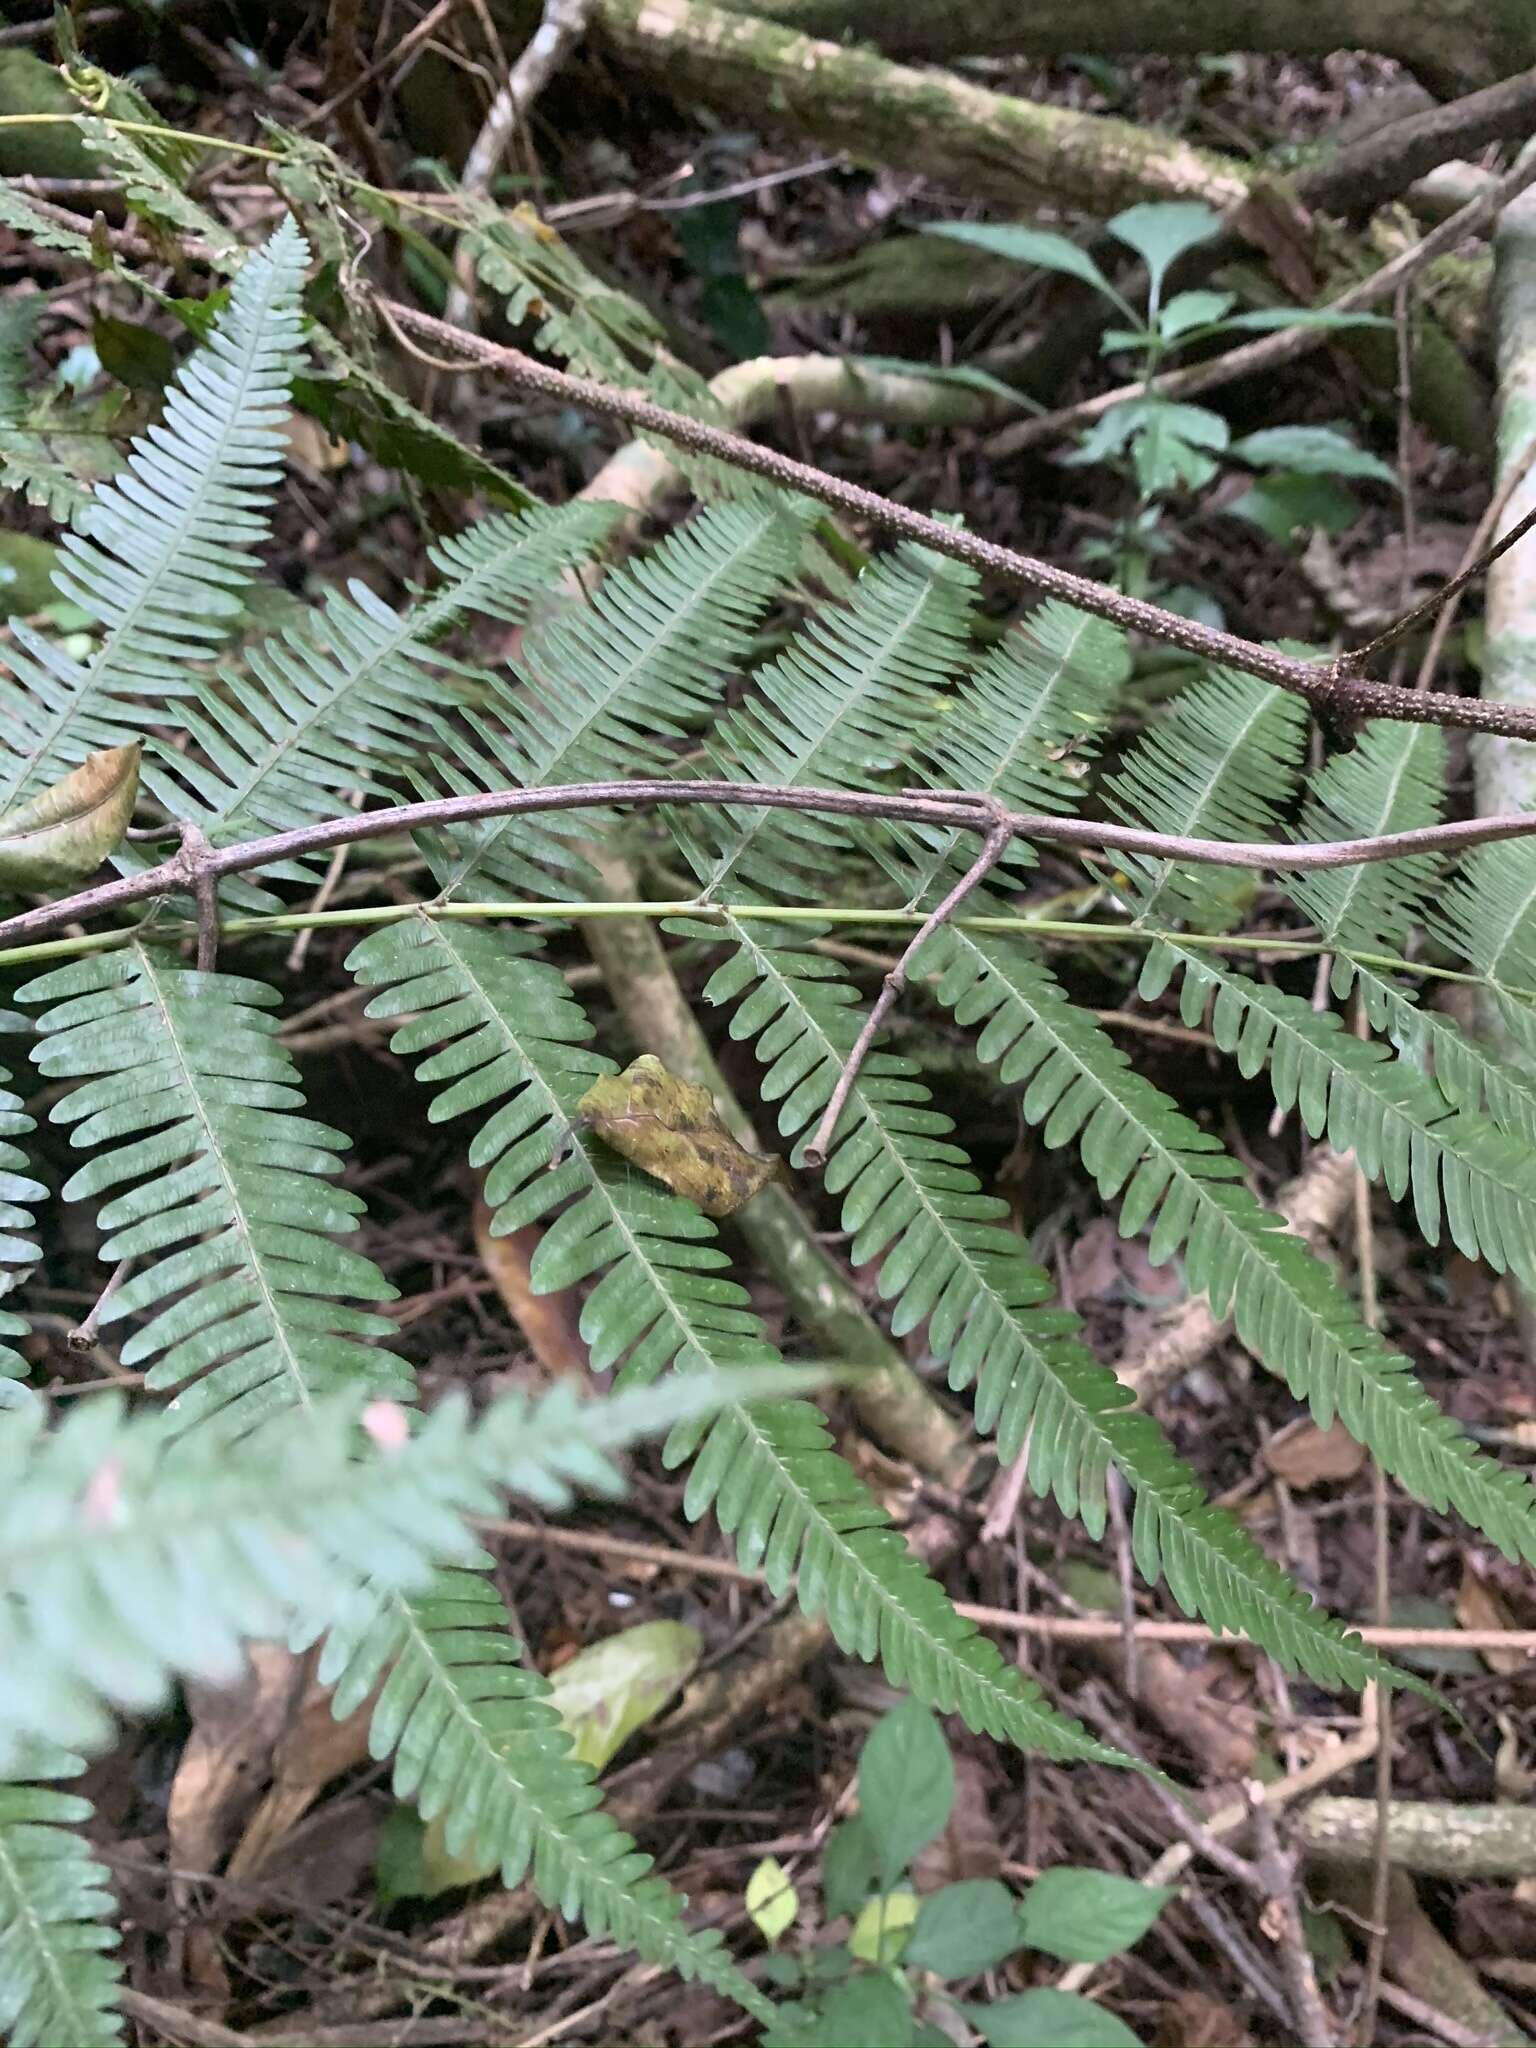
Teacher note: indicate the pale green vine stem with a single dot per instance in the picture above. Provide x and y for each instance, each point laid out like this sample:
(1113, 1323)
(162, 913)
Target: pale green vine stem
(1056, 931)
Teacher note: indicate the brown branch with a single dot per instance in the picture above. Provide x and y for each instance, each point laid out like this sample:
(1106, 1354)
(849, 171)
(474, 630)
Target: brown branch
(1269, 351)
(1362, 175)
(193, 867)
(1330, 687)
(1068, 1628)
(563, 23)
(995, 846)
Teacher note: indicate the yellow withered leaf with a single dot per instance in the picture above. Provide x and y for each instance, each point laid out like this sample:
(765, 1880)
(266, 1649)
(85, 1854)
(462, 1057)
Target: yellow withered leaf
(672, 1130)
(65, 832)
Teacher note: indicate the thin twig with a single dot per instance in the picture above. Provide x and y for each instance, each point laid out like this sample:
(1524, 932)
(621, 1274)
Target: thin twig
(996, 844)
(1449, 592)
(1314, 2024)
(83, 1335)
(1381, 1871)
(1284, 346)
(389, 61)
(1184, 1818)
(1332, 687)
(1434, 2021)
(194, 863)
(1450, 598)
(1058, 1627)
(39, 31)
(564, 21)
(1125, 1571)
(189, 867)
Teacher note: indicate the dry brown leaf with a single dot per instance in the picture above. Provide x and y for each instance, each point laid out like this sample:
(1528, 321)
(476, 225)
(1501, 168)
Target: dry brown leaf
(1493, 1920)
(1104, 1266)
(332, 1850)
(65, 832)
(1479, 1605)
(550, 1322)
(1196, 2020)
(1309, 1456)
(672, 1130)
(228, 1756)
(226, 1762)
(315, 1749)
(311, 448)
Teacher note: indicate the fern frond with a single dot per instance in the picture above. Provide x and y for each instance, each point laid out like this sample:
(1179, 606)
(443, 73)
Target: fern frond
(22, 218)
(132, 1552)
(911, 1200)
(18, 1191)
(1488, 918)
(1288, 1309)
(839, 706)
(1218, 766)
(223, 1191)
(58, 1978)
(509, 1040)
(1470, 1072)
(1023, 728)
(159, 556)
(799, 1513)
(478, 1745)
(1391, 780)
(582, 320)
(316, 709)
(157, 191)
(603, 688)
(1481, 1182)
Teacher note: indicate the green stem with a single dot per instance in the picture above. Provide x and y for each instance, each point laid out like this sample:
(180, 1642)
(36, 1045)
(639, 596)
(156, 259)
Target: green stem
(1064, 931)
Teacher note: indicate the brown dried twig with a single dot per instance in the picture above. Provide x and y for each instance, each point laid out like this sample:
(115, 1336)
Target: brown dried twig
(1333, 687)
(999, 838)
(197, 866)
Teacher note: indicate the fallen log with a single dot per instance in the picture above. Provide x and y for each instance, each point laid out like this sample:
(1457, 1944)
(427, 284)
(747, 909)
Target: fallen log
(980, 144)
(1454, 45)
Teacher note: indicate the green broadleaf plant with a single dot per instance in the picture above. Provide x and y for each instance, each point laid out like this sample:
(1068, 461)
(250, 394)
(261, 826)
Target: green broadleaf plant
(919, 1947)
(1164, 446)
(247, 1300)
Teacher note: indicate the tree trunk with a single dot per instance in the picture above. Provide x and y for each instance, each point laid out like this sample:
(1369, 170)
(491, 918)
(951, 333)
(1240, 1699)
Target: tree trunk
(1505, 771)
(982, 145)
(1455, 46)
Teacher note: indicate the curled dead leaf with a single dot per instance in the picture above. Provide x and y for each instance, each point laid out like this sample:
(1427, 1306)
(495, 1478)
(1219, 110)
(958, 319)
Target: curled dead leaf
(1482, 1606)
(671, 1129)
(1308, 1456)
(65, 832)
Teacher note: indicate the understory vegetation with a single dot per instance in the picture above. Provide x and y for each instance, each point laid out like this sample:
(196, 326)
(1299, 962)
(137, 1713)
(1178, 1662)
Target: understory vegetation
(837, 982)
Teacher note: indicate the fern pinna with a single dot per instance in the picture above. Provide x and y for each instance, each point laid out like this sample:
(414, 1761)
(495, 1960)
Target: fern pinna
(220, 1198)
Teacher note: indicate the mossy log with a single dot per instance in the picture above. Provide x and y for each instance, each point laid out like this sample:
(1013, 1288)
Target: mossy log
(1455, 46)
(979, 144)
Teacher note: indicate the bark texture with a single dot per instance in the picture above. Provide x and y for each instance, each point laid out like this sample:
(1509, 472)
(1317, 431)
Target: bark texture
(1505, 773)
(982, 145)
(1434, 1837)
(1454, 45)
